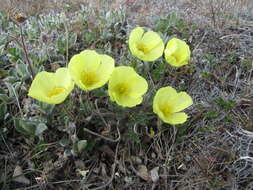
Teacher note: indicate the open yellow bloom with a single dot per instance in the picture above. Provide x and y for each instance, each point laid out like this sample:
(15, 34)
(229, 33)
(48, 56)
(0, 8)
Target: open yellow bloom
(177, 52)
(145, 46)
(168, 104)
(126, 87)
(90, 70)
(51, 88)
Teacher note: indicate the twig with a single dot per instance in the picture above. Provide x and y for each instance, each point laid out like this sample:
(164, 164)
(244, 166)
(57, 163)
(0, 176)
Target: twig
(25, 51)
(67, 112)
(103, 137)
(67, 41)
(57, 182)
(200, 42)
(7, 146)
(98, 112)
(234, 35)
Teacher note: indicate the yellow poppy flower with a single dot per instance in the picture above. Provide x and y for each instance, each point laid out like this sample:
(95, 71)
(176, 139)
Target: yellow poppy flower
(126, 87)
(51, 88)
(177, 52)
(145, 46)
(168, 104)
(90, 70)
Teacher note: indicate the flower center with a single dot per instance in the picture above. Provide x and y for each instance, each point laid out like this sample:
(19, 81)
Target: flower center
(141, 47)
(176, 57)
(55, 91)
(89, 78)
(166, 109)
(122, 89)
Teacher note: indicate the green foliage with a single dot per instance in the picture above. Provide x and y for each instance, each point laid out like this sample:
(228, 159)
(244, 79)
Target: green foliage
(134, 137)
(51, 40)
(64, 142)
(228, 118)
(159, 70)
(81, 145)
(206, 75)
(227, 105)
(232, 57)
(211, 114)
(207, 128)
(30, 127)
(247, 63)
(55, 132)
(210, 58)
(181, 133)
(164, 24)
(3, 111)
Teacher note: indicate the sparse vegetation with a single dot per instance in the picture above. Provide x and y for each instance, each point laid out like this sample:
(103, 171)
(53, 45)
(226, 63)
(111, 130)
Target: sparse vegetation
(90, 143)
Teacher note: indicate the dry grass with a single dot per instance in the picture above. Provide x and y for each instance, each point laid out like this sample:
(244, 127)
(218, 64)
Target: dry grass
(212, 151)
(217, 13)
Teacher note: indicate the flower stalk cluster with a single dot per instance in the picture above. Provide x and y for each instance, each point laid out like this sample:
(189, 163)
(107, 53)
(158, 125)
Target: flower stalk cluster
(90, 70)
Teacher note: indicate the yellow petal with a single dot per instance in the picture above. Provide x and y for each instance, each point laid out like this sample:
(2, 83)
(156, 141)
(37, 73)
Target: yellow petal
(182, 101)
(175, 118)
(167, 103)
(155, 53)
(150, 40)
(177, 52)
(63, 78)
(76, 69)
(105, 69)
(126, 87)
(145, 46)
(139, 86)
(163, 97)
(126, 101)
(42, 83)
(121, 74)
(92, 60)
(135, 36)
(90, 70)
(51, 88)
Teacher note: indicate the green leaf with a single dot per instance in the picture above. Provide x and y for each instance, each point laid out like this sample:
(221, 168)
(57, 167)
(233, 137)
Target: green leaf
(22, 71)
(3, 111)
(24, 126)
(6, 99)
(67, 153)
(64, 142)
(40, 129)
(72, 40)
(81, 145)
(3, 73)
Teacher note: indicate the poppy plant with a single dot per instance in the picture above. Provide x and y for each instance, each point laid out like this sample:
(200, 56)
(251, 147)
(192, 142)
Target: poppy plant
(90, 70)
(147, 46)
(51, 88)
(177, 52)
(168, 104)
(126, 87)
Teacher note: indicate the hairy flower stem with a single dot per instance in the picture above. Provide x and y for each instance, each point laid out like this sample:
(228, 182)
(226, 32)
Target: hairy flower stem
(25, 52)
